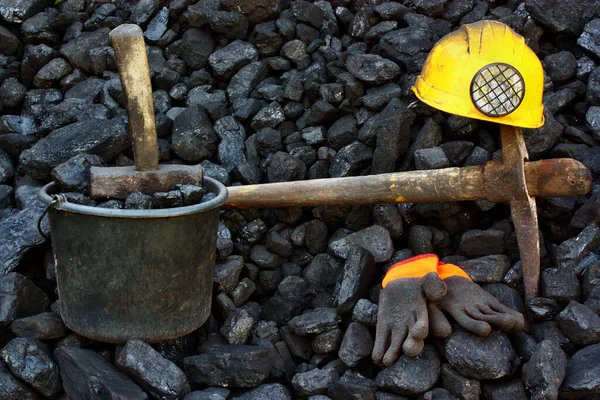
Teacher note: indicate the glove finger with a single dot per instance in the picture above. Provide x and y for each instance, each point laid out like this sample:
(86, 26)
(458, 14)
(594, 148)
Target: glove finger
(433, 286)
(480, 328)
(517, 316)
(417, 331)
(503, 322)
(412, 347)
(420, 328)
(440, 326)
(519, 321)
(486, 310)
(496, 306)
(382, 337)
(392, 353)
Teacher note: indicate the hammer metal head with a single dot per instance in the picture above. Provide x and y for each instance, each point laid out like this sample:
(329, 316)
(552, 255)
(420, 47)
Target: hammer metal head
(119, 182)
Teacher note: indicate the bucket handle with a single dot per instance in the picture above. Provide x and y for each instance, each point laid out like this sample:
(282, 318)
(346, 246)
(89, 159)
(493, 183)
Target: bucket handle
(57, 199)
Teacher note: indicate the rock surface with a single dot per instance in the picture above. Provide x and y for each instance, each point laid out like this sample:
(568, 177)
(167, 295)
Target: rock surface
(355, 279)
(274, 91)
(582, 374)
(19, 232)
(85, 374)
(545, 370)
(314, 321)
(357, 344)
(411, 376)
(580, 324)
(30, 360)
(231, 365)
(100, 137)
(155, 374)
(18, 11)
(313, 382)
(477, 357)
(44, 326)
(372, 68)
(376, 239)
(193, 136)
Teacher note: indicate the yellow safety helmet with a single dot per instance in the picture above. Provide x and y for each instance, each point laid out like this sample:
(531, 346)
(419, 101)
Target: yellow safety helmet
(484, 70)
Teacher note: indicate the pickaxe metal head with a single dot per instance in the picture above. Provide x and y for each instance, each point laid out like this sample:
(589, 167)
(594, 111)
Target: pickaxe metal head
(505, 182)
(119, 182)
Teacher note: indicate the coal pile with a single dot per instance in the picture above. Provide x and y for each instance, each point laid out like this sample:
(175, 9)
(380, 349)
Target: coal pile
(271, 91)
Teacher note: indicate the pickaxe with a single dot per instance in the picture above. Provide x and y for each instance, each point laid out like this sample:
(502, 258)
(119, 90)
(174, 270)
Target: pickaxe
(510, 179)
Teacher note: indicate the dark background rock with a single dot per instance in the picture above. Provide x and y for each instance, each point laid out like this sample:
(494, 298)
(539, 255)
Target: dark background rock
(314, 321)
(411, 376)
(560, 284)
(375, 239)
(157, 375)
(13, 389)
(582, 374)
(357, 344)
(12, 93)
(195, 47)
(580, 324)
(358, 274)
(44, 326)
(477, 243)
(352, 386)
(392, 129)
(315, 89)
(267, 391)
(19, 233)
(545, 371)
(487, 269)
(372, 68)
(256, 11)
(21, 298)
(510, 390)
(18, 11)
(85, 373)
(100, 137)
(77, 51)
(459, 385)
(226, 61)
(238, 326)
(313, 382)
(561, 17)
(30, 360)
(73, 175)
(231, 365)
(193, 136)
(471, 355)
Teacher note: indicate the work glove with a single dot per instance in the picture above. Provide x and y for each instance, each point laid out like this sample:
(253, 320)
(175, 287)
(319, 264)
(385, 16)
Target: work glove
(472, 307)
(402, 320)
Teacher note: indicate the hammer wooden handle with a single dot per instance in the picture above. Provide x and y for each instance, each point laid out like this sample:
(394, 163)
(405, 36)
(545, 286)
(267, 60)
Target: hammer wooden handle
(555, 177)
(132, 61)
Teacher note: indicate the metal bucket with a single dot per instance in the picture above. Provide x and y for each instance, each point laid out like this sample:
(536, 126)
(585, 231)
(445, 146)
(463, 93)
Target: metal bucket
(134, 274)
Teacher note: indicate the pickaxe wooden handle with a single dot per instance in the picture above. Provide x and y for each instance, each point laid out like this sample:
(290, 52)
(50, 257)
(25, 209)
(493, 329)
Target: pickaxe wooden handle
(554, 177)
(510, 179)
(134, 70)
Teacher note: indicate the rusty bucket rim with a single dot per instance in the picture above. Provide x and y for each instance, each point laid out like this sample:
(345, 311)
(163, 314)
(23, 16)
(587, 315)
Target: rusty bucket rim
(44, 195)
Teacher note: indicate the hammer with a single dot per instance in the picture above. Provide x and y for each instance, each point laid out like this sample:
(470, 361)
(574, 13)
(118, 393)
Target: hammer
(510, 179)
(148, 176)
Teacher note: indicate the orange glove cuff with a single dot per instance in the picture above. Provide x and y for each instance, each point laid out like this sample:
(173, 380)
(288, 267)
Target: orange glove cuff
(448, 270)
(414, 267)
